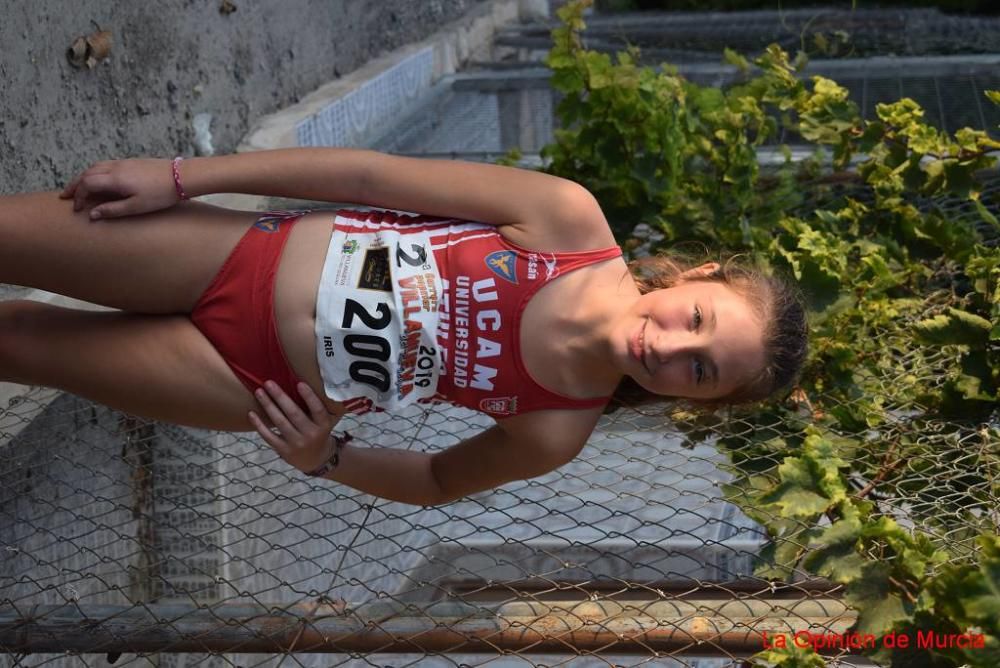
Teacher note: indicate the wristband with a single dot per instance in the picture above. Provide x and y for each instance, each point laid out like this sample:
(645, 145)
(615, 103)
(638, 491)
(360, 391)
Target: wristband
(334, 460)
(177, 177)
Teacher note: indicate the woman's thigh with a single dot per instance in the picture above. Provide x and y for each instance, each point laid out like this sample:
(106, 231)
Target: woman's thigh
(158, 367)
(152, 263)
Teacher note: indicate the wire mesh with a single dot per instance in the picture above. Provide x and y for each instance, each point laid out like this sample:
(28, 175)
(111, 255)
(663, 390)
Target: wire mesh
(840, 31)
(155, 534)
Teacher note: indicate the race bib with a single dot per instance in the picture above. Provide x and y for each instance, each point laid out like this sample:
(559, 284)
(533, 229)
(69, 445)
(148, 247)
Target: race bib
(377, 318)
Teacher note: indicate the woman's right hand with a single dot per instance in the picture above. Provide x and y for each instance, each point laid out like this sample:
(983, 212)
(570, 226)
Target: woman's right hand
(116, 188)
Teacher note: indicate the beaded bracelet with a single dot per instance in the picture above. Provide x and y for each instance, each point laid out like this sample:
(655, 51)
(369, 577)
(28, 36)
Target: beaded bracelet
(177, 177)
(332, 463)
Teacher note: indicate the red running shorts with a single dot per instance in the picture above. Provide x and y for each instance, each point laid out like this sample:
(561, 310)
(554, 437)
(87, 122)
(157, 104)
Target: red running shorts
(236, 312)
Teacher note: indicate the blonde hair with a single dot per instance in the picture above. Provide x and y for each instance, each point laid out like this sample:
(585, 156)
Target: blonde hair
(776, 302)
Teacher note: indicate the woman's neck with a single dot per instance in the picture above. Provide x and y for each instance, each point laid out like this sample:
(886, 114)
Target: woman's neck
(591, 325)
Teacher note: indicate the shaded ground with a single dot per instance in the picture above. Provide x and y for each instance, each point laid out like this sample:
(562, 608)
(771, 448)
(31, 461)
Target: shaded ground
(169, 61)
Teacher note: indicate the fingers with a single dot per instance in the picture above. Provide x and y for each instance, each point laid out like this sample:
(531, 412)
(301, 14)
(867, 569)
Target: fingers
(69, 190)
(272, 439)
(275, 413)
(115, 209)
(89, 185)
(288, 417)
(316, 408)
(284, 413)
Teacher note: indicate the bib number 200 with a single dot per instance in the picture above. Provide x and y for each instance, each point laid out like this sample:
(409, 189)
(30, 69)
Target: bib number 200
(370, 348)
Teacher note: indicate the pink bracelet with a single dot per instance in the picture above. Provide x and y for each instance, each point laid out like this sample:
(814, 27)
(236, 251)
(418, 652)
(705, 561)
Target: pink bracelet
(177, 177)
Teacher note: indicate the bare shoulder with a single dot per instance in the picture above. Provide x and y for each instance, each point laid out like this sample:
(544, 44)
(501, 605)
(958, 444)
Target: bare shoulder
(578, 224)
(532, 209)
(559, 433)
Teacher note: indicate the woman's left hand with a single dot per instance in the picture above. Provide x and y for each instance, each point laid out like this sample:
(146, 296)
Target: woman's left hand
(116, 188)
(302, 440)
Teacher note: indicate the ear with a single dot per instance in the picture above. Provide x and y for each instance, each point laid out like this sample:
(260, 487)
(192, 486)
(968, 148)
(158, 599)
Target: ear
(701, 271)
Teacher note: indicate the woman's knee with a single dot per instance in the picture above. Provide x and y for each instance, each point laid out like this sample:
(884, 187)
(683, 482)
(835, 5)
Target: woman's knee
(18, 319)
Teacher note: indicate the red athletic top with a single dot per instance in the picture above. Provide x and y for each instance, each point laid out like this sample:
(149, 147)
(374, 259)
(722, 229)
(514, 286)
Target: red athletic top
(487, 282)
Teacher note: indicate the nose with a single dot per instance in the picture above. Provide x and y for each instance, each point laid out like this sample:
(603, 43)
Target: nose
(670, 344)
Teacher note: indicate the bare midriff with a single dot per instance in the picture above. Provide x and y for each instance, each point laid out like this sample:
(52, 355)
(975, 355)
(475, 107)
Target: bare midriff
(295, 289)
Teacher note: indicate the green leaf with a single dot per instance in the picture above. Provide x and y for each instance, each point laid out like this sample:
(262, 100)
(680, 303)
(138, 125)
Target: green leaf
(901, 113)
(993, 95)
(790, 656)
(985, 605)
(794, 495)
(956, 327)
(959, 179)
(707, 100)
(874, 597)
(835, 550)
(733, 58)
(986, 215)
(779, 559)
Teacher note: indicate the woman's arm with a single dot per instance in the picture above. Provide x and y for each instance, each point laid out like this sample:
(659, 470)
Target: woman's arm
(522, 447)
(542, 211)
(534, 209)
(482, 462)
(482, 192)
(398, 475)
(525, 446)
(325, 174)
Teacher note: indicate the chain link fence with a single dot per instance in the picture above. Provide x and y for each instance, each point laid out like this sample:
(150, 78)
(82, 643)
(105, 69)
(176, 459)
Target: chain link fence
(121, 535)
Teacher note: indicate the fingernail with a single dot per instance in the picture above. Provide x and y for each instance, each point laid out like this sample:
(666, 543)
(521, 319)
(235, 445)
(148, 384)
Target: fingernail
(94, 215)
(259, 393)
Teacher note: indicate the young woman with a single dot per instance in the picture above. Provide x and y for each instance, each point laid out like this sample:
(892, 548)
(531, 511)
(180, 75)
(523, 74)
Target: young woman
(285, 321)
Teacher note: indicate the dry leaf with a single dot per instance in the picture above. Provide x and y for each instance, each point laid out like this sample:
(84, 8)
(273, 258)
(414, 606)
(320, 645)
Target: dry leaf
(77, 53)
(90, 50)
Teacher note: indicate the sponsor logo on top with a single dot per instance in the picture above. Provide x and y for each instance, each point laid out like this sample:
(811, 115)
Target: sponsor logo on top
(270, 221)
(499, 405)
(375, 273)
(268, 224)
(503, 263)
(349, 247)
(550, 266)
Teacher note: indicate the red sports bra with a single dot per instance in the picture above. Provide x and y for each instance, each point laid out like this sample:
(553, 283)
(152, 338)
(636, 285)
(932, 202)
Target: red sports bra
(486, 283)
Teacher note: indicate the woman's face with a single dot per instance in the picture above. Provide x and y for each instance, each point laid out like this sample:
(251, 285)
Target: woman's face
(698, 339)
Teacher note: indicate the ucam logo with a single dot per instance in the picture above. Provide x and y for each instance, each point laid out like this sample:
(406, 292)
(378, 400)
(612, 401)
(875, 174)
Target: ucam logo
(504, 264)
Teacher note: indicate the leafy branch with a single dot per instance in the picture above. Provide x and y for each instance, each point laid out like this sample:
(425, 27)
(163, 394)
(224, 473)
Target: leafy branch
(905, 313)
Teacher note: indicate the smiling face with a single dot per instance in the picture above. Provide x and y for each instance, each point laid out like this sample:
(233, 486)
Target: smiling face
(698, 339)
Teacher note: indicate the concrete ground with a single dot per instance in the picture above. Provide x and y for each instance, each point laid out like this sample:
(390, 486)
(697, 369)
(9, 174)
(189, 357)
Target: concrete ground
(170, 61)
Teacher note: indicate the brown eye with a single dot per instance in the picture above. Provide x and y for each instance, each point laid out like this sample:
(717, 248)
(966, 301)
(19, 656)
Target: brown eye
(699, 372)
(697, 317)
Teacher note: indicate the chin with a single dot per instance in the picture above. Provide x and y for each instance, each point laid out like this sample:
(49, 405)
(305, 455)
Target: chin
(644, 386)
